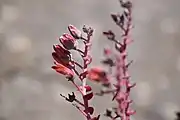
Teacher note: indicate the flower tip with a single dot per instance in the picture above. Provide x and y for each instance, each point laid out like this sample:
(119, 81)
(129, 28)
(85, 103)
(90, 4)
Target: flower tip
(54, 67)
(74, 31)
(68, 41)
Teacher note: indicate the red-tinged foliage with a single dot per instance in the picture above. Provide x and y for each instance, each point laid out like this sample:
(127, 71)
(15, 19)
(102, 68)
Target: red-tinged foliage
(63, 70)
(74, 32)
(68, 41)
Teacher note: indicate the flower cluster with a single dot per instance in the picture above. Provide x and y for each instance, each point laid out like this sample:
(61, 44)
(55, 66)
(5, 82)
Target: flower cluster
(65, 65)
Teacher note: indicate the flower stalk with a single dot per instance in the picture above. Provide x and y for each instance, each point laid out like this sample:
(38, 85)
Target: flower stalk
(118, 61)
(65, 65)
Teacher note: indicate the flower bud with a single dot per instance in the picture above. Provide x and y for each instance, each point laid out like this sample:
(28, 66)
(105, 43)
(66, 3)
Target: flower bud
(68, 41)
(61, 55)
(74, 32)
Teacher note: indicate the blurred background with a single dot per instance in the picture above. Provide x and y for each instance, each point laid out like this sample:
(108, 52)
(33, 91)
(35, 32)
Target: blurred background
(29, 88)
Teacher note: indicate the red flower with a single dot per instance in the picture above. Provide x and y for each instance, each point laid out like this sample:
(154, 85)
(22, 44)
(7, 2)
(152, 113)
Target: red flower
(61, 55)
(63, 70)
(74, 32)
(68, 41)
(97, 74)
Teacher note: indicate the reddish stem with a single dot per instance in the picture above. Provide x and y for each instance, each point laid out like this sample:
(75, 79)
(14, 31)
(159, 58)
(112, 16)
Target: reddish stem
(122, 73)
(84, 80)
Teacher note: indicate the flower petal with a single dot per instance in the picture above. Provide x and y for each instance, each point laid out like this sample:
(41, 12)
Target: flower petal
(68, 41)
(61, 59)
(97, 74)
(63, 70)
(60, 50)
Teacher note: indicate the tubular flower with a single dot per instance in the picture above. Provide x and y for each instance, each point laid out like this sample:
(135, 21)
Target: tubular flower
(68, 41)
(61, 55)
(74, 32)
(97, 74)
(63, 70)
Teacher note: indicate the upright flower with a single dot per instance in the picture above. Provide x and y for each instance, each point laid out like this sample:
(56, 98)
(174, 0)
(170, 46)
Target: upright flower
(63, 63)
(68, 41)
